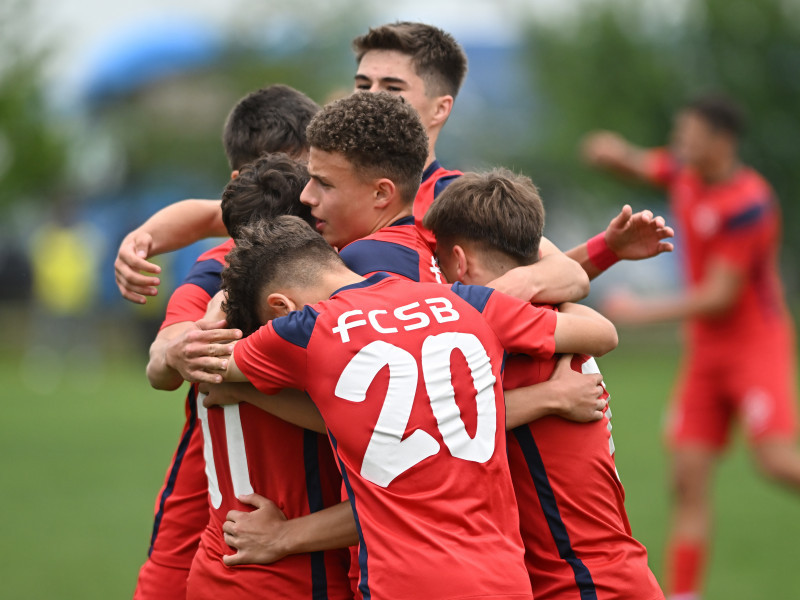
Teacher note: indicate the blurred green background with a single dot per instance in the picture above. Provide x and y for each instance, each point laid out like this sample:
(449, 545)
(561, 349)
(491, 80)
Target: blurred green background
(92, 143)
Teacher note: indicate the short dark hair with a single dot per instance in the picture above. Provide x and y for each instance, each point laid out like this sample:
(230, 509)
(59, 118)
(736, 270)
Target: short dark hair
(720, 112)
(379, 134)
(265, 189)
(497, 209)
(269, 256)
(435, 54)
(272, 119)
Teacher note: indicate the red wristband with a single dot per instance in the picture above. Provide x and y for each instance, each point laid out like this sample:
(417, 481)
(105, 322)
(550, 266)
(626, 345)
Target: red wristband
(600, 254)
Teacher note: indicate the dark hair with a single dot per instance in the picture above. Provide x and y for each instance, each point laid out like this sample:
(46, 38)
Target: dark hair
(265, 189)
(497, 209)
(720, 112)
(272, 119)
(379, 134)
(270, 256)
(436, 56)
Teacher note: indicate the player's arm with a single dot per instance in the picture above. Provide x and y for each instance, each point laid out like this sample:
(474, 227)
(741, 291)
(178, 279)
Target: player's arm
(264, 535)
(629, 236)
(568, 394)
(553, 279)
(171, 228)
(712, 297)
(293, 406)
(610, 151)
(582, 330)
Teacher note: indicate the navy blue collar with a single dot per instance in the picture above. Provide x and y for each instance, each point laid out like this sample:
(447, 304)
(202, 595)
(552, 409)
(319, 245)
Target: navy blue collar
(409, 220)
(431, 170)
(369, 281)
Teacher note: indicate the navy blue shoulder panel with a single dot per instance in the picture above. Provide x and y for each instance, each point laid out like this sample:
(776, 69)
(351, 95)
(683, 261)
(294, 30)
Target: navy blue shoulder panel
(297, 327)
(369, 256)
(749, 216)
(206, 274)
(476, 295)
(443, 182)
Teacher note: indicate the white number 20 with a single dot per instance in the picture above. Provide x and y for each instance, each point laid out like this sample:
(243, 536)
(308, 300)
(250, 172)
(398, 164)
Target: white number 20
(388, 455)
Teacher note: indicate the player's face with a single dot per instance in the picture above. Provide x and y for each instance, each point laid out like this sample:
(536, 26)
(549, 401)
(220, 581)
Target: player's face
(392, 71)
(340, 200)
(693, 139)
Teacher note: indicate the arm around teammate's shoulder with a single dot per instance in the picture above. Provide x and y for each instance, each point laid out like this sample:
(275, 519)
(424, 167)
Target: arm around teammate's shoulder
(582, 330)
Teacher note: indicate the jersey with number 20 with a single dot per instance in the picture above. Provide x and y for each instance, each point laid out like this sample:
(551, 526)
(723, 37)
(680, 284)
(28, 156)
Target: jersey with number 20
(407, 377)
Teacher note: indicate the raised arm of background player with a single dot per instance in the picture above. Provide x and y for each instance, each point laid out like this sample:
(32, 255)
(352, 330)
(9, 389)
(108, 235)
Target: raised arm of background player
(722, 283)
(630, 236)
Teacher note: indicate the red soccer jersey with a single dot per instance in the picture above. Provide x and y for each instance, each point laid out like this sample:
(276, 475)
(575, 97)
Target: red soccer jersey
(434, 180)
(181, 511)
(407, 378)
(577, 537)
(248, 450)
(736, 221)
(398, 249)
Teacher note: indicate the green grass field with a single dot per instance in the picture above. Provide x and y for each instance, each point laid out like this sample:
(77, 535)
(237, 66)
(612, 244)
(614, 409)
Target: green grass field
(81, 465)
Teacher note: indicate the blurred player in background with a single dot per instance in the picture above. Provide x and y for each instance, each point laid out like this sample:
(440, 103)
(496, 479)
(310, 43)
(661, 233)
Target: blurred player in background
(574, 526)
(740, 359)
(271, 119)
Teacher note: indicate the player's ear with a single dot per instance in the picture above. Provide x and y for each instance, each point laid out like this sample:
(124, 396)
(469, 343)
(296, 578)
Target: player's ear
(461, 263)
(280, 304)
(444, 104)
(234, 174)
(383, 192)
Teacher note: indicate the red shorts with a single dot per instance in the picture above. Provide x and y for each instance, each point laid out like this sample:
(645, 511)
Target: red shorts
(157, 582)
(755, 384)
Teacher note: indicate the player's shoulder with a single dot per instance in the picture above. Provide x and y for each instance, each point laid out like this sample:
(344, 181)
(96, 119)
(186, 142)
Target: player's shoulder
(397, 248)
(218, 252)
(750, 201)
(436, 178)
(298, 326)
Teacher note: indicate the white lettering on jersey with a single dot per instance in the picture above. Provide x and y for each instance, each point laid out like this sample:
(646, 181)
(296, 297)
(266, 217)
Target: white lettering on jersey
(445, 313)
(374, 322)
(441, 309)
(343, 326)
(401, 313)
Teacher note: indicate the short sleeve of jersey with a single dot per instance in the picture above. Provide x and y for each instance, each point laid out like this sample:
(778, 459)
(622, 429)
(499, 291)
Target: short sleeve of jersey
(274, 357)
(520, 326)
(190, 300)
(660, 167)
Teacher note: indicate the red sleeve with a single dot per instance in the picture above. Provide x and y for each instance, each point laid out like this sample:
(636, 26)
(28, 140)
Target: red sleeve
(660, 167)
(187, 303)
(520, 326)
(745, 237)
(270, 362)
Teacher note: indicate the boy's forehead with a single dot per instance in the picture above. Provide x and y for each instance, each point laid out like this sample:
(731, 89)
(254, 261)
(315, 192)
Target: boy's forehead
(386, 64)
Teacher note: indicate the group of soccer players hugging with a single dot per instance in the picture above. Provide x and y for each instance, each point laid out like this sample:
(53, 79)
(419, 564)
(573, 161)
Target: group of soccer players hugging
(391, 397)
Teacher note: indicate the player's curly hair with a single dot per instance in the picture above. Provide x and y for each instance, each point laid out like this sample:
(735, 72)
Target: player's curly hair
(272, 119)
(265, 189)
(498, 209)
(379, 134)
(435, 54)
(271, 256)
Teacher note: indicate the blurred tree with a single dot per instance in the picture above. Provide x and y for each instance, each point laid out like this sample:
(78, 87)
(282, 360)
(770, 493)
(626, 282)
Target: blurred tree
(32, 148)
(627, 65)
